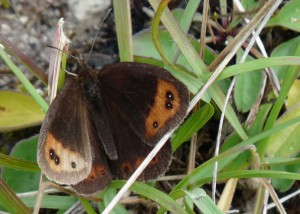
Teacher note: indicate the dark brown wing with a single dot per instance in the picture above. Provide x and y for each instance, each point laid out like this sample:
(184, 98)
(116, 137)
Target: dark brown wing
(143, 102)
(64, 151)
(68, 150)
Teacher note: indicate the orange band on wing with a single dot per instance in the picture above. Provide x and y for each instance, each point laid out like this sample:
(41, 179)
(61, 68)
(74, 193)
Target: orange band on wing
(61, 159)
(166, 105)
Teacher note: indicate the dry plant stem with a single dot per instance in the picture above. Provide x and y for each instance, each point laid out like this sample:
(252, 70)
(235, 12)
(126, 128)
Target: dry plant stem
(266, 199)
(282, 200)
(134, 200)
(224, 202)
(253, 51)
(212, 24)
(203, 27)
(215, 173)
(193, 148)
(42, 187)
(210, 30)
(272, 192)
(262, 25)
(34, 193)
(149, 12)
(61, 43)
(211, 39)
(192, 155)
(171, 178)
(75, 208)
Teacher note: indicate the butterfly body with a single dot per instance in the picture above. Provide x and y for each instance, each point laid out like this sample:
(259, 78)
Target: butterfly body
(104, 123)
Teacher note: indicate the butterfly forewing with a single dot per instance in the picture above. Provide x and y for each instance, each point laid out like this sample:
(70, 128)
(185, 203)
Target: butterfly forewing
(64, 151)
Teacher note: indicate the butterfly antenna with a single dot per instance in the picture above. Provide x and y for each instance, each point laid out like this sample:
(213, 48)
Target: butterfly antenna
(50, 46)
(100, 26)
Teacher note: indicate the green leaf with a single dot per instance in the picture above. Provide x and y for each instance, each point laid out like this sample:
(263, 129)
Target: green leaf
(22, 181)
(18, 111)
(247, 88)
(87, 206)
(285, 143)
(288, 16)
(284, 185)
(251, 4)
(288, 48)
(293, 98)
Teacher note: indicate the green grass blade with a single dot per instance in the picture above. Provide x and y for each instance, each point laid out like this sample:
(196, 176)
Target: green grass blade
(192, 125)
(52, 201)
(124, 29)
(203, 202)
(87, 206)
(185, 23)
(256, 64)
(29, 87)
(10, 201)
(17, 163)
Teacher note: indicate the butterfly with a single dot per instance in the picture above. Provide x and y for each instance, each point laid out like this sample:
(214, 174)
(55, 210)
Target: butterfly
(103, 124)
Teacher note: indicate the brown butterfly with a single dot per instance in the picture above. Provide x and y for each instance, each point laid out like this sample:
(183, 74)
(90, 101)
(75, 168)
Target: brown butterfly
(105, 122)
